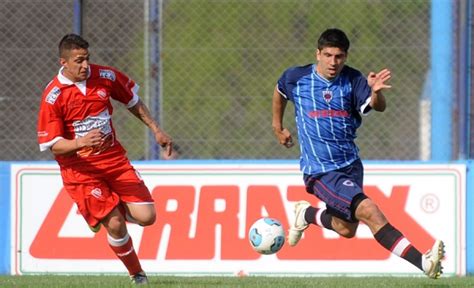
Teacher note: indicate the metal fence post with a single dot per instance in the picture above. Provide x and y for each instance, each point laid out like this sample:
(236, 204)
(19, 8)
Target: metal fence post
(77, 20)
(154, 13)
(441, 63)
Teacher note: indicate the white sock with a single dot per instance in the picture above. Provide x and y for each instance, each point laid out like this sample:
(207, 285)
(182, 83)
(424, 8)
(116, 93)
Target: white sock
(118, 242)
(425, 263)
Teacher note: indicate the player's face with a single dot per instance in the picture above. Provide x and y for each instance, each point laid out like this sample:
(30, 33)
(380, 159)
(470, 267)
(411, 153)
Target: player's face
(331, 60)
(76, 64)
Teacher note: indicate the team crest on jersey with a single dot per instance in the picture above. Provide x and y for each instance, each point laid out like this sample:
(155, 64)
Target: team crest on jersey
(327, 95)
(97, 193)
(102, 93)
(107, 74)
(53, 95)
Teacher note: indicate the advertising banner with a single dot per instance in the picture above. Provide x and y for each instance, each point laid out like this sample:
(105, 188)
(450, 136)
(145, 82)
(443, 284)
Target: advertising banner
(204, 212)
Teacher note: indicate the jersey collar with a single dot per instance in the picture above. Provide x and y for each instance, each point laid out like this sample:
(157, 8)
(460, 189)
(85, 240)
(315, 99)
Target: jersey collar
(315, 72)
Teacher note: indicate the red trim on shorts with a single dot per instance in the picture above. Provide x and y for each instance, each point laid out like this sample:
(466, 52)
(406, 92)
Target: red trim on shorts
(331, 193)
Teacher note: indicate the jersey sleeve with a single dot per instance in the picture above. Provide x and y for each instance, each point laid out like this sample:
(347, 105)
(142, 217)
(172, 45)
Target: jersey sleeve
(282, 85)
(50, 127)
(125, 90)
(361, 93)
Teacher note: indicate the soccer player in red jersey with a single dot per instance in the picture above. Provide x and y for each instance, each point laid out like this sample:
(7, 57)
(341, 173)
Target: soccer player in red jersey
(75, 124)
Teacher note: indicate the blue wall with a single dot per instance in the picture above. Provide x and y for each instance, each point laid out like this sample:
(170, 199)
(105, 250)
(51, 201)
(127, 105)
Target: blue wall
(469, 218)
(5, 218)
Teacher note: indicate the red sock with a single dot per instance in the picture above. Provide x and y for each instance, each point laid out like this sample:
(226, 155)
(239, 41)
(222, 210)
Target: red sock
(123, 248)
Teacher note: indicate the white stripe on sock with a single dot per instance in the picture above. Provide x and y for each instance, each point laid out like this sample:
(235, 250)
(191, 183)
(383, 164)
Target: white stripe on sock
(318, 217)
(401, 246)
(118, 242)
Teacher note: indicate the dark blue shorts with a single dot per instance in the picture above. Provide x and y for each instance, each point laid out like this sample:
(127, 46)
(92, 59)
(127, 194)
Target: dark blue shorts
(340, 189)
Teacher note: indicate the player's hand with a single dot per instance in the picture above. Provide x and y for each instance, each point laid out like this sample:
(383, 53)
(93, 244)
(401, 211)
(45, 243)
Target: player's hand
(377, 80)
(165, 141)
(284, 137)
(91, 139)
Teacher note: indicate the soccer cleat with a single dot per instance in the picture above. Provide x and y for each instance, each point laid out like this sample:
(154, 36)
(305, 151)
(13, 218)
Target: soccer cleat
(432, 259)
(139, 278)
(299, 224)
(95, 228)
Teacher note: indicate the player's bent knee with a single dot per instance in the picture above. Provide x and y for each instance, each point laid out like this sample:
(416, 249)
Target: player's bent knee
(143, 215)
(143, 220)
(148, 221)
(347, 233)
(369, 213)
(345, 229)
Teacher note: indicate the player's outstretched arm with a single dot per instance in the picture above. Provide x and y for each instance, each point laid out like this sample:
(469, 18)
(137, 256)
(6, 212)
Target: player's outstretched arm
(278, 109)
(164, 140)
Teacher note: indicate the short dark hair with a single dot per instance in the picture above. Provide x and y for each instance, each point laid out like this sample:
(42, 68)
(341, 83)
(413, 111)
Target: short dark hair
(334, 37)
(71, 42)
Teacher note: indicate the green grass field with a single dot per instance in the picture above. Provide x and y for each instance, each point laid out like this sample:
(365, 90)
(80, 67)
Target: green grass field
(253, 281)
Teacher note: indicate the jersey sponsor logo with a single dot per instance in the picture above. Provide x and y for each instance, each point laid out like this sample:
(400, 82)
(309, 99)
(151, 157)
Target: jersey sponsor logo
(53, 95)
(327, 95)
(101, 121)
(107, 74)
(328, 113)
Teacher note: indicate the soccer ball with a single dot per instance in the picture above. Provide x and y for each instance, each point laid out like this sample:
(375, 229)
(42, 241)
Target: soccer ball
(266, 236)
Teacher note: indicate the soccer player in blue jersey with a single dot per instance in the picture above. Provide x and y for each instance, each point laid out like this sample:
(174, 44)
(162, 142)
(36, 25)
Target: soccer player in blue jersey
(329, 99)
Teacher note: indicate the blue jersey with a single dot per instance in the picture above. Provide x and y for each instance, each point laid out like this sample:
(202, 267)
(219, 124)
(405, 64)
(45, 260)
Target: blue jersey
(327, 113)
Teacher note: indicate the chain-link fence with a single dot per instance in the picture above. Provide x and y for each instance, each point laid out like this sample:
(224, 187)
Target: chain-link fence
(219, 61)
(29, 35)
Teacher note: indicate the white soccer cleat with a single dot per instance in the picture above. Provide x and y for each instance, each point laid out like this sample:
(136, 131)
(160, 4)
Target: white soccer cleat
(432, 260)
(299, 224)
